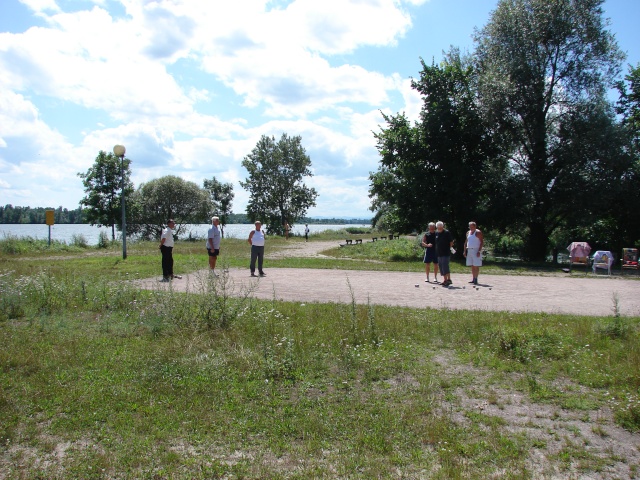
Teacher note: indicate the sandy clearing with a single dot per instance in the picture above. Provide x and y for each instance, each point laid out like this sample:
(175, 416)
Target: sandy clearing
(550, 294)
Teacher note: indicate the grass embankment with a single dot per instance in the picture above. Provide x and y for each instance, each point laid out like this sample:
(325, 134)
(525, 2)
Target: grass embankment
(101, 380)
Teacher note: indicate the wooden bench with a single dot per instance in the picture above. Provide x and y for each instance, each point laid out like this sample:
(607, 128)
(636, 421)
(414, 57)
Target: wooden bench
(358, 240)
(374, 239)
(397, 237)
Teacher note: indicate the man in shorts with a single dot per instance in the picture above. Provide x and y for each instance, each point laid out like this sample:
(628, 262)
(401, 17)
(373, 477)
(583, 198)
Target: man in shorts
(213, 244)
(473, 251)
(429, 245)
(444, 245)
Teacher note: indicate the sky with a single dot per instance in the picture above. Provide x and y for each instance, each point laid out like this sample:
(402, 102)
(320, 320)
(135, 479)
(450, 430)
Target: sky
(189, 86)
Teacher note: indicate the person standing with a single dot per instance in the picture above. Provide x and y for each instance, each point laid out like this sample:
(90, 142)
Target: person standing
(166, 248)
(473, 251)
(444, 248)
(429, 245)
(256, 240)
(306, 232)
(287, 227)
(213, 244)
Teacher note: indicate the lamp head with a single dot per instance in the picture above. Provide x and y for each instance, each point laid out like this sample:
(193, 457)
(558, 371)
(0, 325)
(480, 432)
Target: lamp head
(119, 151)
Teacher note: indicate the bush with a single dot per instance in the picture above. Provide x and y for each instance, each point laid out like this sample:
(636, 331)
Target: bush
(103, 239)
(358, 230)
(507, 245)
(79, 240)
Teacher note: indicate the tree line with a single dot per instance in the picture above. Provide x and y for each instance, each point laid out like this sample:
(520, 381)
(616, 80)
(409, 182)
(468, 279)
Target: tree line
(520, 135)
(28, 215)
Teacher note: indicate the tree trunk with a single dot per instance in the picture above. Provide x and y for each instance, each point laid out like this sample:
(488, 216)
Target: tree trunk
(536, 242)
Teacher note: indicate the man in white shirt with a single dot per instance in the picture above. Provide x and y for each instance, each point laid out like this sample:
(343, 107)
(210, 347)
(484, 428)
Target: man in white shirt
(473, 251)
(213, 243)
(166, 248)
(256, 240)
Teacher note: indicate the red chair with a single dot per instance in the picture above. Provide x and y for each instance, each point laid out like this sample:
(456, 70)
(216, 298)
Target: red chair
(629, 260)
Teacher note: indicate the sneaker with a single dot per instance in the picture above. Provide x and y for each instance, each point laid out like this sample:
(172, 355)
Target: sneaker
(253, 274)
(177, 277)
(475, 281)
(214, 273)
(427, 280)
(262, 274)
(446, 283)
(165, 280)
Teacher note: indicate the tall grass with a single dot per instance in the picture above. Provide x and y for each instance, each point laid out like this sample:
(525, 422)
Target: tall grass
(215, 383)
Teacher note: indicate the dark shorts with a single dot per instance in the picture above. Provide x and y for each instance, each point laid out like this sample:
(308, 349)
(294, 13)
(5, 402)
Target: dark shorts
(430, 256)
(443, 263)
(213, 253)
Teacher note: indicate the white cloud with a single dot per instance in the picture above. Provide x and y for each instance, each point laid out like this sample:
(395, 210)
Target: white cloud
(282, 59)
(41, 6)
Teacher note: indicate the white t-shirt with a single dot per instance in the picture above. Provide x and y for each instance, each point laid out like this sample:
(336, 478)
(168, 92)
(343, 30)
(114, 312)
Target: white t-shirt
(214, 235)
(258, 238)
(167, 234)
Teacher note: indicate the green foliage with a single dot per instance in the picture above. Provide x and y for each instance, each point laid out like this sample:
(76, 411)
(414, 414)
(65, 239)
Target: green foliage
(446, 165)
(103, 186)
(277, 193)
(221, 195)
(358, 230)
(103, 239)
(164, 198)
(542, 88)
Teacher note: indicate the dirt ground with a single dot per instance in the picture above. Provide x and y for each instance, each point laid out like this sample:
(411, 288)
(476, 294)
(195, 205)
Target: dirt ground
(575, 294)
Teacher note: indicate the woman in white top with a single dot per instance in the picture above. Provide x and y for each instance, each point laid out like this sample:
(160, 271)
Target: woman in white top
(256, 240)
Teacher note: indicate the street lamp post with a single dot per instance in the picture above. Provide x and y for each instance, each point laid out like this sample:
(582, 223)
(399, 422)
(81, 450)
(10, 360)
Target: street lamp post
(119, 152)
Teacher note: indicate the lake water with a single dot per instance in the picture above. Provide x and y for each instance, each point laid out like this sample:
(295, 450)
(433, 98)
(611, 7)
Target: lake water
(65, 232)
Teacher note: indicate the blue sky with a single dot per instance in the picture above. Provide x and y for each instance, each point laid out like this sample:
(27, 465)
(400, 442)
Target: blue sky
(190, 86)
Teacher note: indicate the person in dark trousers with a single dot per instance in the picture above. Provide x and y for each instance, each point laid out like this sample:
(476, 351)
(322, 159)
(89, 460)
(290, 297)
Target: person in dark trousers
(166, 248)
(256, 240)
(444, 248)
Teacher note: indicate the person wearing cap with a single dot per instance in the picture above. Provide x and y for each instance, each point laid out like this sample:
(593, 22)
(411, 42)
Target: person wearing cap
(213, 244)
(166, 248)
(256, 240)
(473, 251)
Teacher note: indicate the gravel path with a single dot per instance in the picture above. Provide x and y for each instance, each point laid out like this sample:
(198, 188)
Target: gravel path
(589, 295)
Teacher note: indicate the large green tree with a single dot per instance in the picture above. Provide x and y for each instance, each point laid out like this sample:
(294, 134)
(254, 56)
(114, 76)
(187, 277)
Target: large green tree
(167, 197)
(544, 68)
(629, 103)
(221, 195)
(445, 166)
(277, 193)
(103, 183)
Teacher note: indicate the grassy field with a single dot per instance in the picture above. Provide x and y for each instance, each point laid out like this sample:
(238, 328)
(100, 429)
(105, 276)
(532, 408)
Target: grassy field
(101, 380)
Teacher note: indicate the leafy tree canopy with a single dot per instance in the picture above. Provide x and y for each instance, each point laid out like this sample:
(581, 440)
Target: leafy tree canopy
(277, 193)
(156, 201)
(221, 196)
(544, 66)
(103, 183)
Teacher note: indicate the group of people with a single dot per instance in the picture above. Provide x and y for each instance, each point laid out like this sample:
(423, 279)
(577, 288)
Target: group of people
(438, 248)
(256, 240)
(437, 243)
